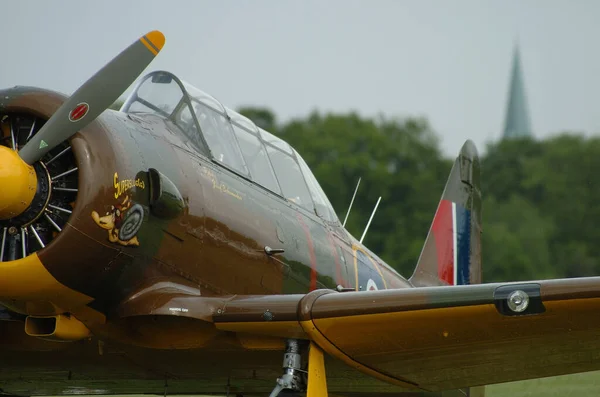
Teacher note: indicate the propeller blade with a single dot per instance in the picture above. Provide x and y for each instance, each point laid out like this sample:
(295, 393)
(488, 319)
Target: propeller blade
(94, 96)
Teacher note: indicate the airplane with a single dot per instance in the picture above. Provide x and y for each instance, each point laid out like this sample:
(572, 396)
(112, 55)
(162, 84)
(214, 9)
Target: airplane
(174, 247)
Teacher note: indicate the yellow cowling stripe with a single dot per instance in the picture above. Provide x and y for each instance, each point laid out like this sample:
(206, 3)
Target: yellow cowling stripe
(28, 280)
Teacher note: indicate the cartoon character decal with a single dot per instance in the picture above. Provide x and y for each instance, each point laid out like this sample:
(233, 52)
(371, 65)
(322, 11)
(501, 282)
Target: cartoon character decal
(125, 218)
(123, 221)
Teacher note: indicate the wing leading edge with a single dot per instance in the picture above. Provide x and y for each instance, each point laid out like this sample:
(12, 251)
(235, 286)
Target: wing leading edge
(439, 338)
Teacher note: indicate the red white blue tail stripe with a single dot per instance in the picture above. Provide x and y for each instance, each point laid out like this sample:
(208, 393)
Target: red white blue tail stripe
(452, 234)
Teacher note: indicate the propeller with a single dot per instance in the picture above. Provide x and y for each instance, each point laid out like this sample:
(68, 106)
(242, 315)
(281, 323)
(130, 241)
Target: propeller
(94, 96)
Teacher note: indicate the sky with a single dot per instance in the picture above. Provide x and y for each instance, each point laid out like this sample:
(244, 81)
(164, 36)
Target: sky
(447, 61)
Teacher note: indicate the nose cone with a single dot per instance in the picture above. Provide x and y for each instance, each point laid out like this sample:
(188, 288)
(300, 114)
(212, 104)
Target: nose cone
(18, 184)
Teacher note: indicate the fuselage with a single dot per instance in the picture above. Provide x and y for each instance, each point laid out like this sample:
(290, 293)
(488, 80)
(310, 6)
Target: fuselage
(234, 233)
(219, 243)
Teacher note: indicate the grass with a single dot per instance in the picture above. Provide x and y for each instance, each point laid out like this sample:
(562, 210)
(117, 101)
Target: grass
(583, 384)
(576, 385)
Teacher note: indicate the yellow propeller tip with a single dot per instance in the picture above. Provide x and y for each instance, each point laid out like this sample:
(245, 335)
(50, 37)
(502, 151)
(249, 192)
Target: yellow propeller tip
(154, 41)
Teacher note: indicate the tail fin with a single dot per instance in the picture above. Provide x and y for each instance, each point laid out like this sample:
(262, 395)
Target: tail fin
(452, 251)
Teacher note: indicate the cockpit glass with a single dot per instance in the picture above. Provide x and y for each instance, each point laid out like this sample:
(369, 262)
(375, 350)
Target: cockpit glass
(162, 98)
(205, 122)
(323, 207)
(185, 120)
(273, 140)
(218, 133)
(256, 159)
(193, 111)
(290, 178)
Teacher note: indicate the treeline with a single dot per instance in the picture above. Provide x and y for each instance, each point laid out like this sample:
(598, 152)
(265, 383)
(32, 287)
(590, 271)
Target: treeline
(540, 197)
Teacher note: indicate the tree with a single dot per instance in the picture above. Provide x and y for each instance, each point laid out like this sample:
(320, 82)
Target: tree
(515, 241)
(557, 177)
(263, 118)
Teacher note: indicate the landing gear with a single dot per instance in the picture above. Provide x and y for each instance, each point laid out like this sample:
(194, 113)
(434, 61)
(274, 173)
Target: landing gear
(293, 378)
(297, 380)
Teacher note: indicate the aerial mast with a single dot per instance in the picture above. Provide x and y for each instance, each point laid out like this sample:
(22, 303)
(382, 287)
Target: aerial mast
(351, 202)
(370, 219)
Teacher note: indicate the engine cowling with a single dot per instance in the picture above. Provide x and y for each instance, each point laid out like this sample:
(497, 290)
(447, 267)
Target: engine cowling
(38, 242)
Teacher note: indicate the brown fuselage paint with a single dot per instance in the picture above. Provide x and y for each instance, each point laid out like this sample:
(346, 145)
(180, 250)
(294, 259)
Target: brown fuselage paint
(216, 244)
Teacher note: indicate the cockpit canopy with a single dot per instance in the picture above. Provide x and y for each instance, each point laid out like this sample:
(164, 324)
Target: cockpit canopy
(231, 140)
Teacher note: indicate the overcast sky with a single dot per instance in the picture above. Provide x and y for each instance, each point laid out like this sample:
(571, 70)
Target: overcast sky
(446, 60)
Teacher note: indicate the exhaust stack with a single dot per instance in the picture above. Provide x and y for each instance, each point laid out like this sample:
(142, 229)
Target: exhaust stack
(59, 328)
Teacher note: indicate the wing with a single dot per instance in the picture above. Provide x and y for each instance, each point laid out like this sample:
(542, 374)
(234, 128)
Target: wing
(439, 338)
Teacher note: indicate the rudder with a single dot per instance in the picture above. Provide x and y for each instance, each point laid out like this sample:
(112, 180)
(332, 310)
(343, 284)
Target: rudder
(451, 254)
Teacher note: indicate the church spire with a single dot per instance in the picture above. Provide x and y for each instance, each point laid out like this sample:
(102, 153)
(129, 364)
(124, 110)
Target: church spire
(517, 123)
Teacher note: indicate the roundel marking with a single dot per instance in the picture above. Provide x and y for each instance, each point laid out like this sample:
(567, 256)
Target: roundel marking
(79, 112)
(371, 286)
